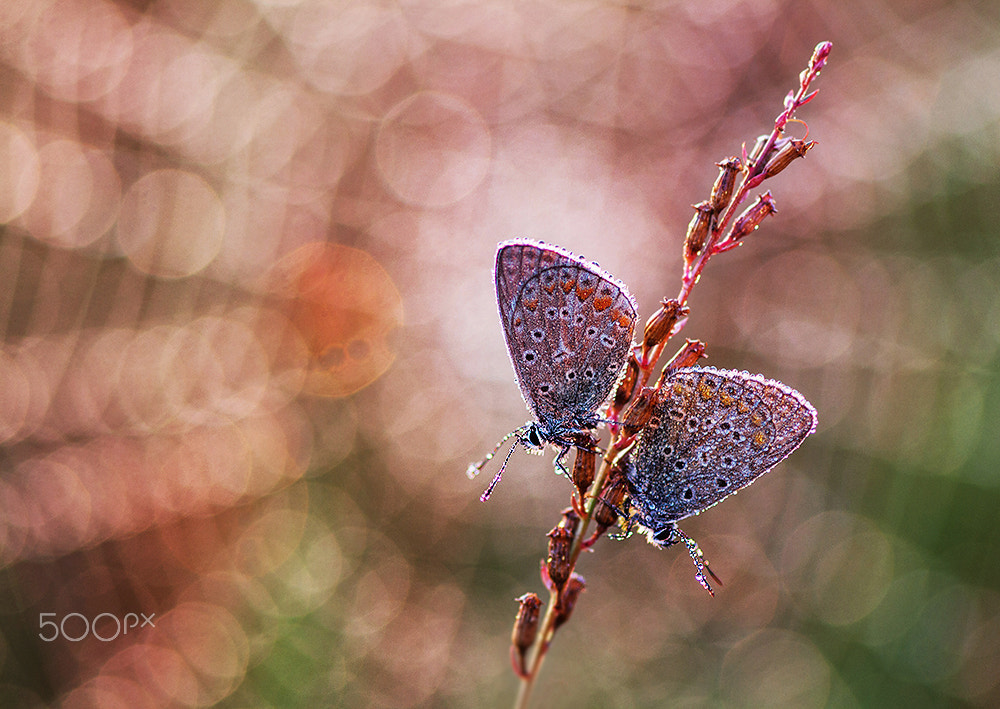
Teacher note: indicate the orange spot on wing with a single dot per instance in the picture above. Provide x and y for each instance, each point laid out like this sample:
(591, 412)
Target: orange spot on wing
(532, 304)
(602, 303)
(584, 293)
(759, 439)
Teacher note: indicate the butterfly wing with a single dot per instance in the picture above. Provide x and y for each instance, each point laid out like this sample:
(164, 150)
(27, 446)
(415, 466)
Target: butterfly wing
(568, 326)
(716, 432)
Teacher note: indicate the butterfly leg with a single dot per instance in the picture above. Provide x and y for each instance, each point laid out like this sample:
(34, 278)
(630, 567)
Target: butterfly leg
(557, 464)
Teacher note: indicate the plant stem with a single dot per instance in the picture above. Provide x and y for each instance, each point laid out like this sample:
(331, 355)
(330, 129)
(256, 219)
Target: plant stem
(547, 629)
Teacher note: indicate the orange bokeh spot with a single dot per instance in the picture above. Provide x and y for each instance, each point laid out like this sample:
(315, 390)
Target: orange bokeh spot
(346, 306)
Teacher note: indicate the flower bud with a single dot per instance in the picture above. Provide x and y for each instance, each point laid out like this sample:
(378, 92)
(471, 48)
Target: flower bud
(819, 57)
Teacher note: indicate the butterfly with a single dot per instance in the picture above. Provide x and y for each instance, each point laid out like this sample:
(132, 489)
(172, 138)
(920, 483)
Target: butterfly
(569, 326)
(712, 433)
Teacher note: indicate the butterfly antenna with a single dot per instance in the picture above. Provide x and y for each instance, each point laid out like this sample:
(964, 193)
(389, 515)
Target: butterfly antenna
(700, 562)
(496, 478)
(475, 468)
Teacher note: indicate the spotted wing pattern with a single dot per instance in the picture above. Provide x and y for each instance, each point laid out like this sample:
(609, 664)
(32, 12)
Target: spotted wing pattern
(568, 326)
(713, 432)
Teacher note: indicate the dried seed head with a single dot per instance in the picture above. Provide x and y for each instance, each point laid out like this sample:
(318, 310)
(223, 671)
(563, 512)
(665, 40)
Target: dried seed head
(697, 231)
(791, 150)
(627, 385)
(663, 324)
(584, 463)
(725, 183)
(687, 356)
(557, 564)
(525, 630)
(526, 623)
(607, 510)
(754, 157)
(639, 412)
(568, 597)
(570, 520)
(748, 222)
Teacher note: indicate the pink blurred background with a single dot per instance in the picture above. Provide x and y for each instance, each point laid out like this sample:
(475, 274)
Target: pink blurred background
(250, 344)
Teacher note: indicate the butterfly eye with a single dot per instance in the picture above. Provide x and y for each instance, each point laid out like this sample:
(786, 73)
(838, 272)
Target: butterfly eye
(680, 464)
(538, 335)
(721, 483)
(591, 331)
(529, 356)
(589, 373)
(738, 437)
(668, 450)
(692, 424)
(607, 340)
(688, 494)
(570, 375)
(725, 426)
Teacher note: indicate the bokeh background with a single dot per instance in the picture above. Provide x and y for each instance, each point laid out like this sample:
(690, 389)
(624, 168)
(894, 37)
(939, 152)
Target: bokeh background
(250, 344)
